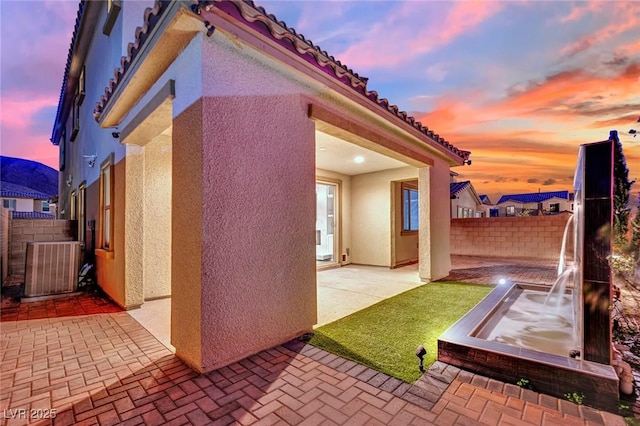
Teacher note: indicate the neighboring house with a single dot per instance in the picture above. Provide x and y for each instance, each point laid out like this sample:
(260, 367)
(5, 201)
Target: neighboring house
(490, 208)
(227, 159)
(27, 187)
(465, 202)
(535, 203)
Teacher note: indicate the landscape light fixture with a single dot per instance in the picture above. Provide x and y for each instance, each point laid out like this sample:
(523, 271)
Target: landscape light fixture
(420, 353)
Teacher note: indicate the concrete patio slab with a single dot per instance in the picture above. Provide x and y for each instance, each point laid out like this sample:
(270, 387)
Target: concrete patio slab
(343, 291)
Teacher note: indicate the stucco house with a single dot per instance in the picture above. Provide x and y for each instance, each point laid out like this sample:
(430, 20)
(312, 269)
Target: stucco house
(227, 159)
(551, 202)
(465, 202)
(25, 202)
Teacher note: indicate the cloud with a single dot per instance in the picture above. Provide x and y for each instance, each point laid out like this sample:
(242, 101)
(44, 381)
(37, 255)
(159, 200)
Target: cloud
(533, 180)
(580, 10)
(626, 120)
(394, 40)
(18, 112)
(549, 182)
(625, 17)
(617, 60)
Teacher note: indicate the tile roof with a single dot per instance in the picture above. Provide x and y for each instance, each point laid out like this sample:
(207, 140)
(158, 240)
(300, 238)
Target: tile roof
(11, 190)
(151, 18)
(456, 188)
(485, 199)
(534, 197)
(257, 18)
(67, 69)
(32, 215)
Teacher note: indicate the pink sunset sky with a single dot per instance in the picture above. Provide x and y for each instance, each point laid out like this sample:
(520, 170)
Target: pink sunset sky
(520, 84)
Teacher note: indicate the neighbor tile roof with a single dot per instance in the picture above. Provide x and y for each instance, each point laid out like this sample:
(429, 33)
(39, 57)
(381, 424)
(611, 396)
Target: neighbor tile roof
(484, 198)
(534, 197)
(32, 215)
(257, 18)
(457, 187)
(11, 190)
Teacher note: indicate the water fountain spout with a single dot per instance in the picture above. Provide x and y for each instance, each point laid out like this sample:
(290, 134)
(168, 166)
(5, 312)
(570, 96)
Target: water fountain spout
(562, 262)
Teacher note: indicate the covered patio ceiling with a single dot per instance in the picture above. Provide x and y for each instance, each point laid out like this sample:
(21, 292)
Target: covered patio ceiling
(340, 156)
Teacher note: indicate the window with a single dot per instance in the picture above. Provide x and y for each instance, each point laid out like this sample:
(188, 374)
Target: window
(494, 212)
(75, 123)
(80, 91)
(9, 204)
(113, 8)
(554, 208)
(464, 212)
(45, 206)
(106, 199)
(63, 148)
(82, 234)
(511, 210)
(409, 208)
(73, 201)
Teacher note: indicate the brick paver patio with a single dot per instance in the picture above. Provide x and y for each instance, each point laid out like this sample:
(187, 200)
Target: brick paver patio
(95, 365)
(106, 369)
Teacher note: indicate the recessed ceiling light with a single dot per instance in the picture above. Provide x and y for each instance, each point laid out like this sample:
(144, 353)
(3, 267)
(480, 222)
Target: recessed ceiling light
(359, 159)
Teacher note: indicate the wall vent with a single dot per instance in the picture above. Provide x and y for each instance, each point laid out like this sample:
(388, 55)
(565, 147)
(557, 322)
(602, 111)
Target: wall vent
(51, 268)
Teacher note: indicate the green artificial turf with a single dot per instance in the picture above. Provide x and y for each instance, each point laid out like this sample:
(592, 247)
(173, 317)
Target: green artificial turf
(385, 336)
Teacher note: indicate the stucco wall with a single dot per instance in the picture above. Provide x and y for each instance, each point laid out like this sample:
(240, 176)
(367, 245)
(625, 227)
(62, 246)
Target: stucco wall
(440, 221)
(22, 231)
(259, 283)
(110, 265)
(345, 210)
(371, 213)
(157, 218)
(537, 237)
(186, 248)
(466, 200)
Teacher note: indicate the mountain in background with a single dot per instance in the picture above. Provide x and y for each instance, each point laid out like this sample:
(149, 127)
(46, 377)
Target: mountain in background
(30, 174)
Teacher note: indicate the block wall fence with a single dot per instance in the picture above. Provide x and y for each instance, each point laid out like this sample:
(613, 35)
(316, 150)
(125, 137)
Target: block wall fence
(538, 237)
(25, 230)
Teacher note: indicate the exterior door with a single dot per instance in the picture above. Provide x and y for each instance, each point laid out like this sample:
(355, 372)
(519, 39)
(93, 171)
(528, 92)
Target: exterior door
(326, 223)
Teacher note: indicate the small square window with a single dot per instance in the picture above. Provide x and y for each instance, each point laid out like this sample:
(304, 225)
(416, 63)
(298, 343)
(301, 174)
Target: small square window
(113, 9)
(81, 91)
(75, 122)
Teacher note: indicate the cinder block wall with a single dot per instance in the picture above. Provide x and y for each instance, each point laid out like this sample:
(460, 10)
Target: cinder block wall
(4, 244)
(538, 237)
(25, 230)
